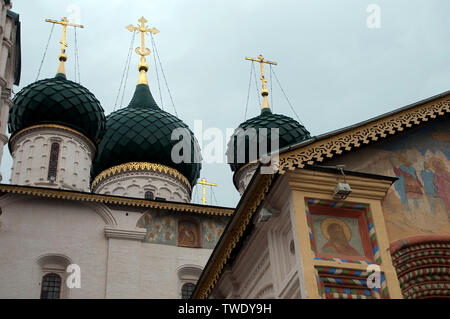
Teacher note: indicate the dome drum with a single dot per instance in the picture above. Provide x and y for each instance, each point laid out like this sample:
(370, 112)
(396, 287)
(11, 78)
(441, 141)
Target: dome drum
(139, 178)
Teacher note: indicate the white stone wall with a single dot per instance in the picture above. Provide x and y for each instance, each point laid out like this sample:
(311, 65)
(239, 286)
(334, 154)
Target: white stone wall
(135, 184)
(31, 151)
(268, 265)
(104, 242)
(34, 227)
(7, 62)
(243, 177)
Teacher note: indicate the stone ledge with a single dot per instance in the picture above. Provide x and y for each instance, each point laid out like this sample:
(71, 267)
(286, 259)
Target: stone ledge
(134, 234)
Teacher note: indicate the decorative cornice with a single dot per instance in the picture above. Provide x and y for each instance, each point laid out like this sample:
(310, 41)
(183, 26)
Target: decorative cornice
(134, 234)
(51, 126)
(325, 183)
(139, 167)
(232, 236)
(116, 200)
(327, 148)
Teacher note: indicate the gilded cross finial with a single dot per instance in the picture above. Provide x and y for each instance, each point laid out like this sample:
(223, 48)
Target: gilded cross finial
(264, 91)
(63, 57)
(204, 183)
(142, 50)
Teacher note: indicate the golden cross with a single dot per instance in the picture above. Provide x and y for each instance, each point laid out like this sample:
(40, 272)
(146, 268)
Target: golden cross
(63, 57)
(264, 91)
(142, 51)
(204, 183)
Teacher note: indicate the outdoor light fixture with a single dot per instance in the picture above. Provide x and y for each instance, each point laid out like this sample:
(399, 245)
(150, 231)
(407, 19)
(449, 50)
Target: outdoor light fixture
(265, 214)
(342, 190)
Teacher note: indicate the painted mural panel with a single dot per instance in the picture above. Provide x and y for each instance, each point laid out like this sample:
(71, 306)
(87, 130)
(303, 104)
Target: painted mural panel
(337, 235)
(160, 226)
(212, 230)
(188, 233)
(169, 228)
(419, 201)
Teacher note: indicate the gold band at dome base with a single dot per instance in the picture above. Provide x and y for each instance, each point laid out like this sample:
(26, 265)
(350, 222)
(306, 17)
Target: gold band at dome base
(140, 167)
(54, 126)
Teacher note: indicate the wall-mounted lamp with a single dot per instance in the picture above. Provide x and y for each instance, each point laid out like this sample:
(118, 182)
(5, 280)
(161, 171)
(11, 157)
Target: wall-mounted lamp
(265, 214)
(342, 190)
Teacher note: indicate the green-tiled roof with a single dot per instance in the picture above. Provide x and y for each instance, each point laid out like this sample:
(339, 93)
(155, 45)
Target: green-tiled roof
(290, 132)
(58, 101)
(142, 132)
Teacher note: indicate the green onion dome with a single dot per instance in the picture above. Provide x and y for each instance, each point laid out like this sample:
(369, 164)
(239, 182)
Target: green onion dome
(58, 101)
(290, 132)
(142, 132)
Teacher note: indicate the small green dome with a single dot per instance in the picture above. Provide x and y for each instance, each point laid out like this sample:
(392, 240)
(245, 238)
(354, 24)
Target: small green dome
(58, 101)
(142, 132)
(290, 132)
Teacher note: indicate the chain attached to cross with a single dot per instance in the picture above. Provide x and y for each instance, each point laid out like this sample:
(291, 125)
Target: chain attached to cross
(264, 91)
(142, 50)
(204, 183)
(65, 23)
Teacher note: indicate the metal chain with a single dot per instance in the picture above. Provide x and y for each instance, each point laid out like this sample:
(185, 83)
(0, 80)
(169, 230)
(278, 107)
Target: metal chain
(256, 85)
(127, 62)
(287, 99)
(164, 76)
(271, 90)
(45, 52)
(157, 73)
(128, 70)
(248, 92)
(212, 190)
(77, 59)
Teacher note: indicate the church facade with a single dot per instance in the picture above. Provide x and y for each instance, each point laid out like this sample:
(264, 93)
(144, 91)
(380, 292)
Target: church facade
(378, 229)
(97, 207)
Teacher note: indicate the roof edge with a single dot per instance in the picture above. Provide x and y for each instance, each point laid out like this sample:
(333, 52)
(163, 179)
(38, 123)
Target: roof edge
(111, 199)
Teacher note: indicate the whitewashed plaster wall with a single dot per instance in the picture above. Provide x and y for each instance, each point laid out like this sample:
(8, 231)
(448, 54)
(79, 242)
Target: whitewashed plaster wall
(104, 242)
(244, 176)
(136, 184)
(268, 265)
(8, 33)
(31, 152)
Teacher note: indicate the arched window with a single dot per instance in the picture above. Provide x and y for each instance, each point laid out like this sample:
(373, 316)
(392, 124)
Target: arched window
(51, 286)
(188, 275)
(149, 195)
(53, 162)
(187, 290)
(52, 276)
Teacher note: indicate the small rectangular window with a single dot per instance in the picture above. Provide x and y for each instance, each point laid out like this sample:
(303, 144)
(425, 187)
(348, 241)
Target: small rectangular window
(53, 162)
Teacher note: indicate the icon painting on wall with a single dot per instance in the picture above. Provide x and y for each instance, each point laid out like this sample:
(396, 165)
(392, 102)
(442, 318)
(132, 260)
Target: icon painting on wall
(337, 235)
(338, 232)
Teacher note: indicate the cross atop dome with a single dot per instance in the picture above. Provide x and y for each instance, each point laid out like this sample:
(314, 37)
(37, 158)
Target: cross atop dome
(63, 57)
(142, 51)
(264, 91)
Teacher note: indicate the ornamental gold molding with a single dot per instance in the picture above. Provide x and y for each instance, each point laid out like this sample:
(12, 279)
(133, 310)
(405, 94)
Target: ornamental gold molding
(232, 236)
(140, 167)
(370, 132)
(117, 200)
(53, 126)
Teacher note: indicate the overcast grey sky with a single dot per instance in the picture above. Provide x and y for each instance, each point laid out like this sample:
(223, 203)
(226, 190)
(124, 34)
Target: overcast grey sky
(335, 70)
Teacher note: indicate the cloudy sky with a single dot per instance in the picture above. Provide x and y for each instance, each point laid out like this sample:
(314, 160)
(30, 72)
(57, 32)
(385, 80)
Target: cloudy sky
(335, 70)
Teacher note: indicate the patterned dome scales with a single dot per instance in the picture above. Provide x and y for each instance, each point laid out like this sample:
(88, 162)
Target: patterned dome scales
(58, 101)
